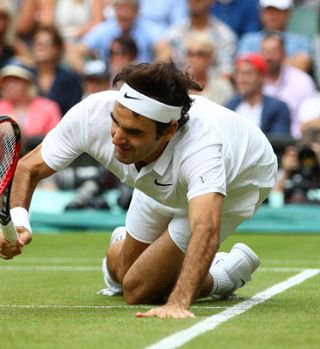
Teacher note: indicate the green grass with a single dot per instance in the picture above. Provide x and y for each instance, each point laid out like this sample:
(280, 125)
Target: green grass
(48, 307)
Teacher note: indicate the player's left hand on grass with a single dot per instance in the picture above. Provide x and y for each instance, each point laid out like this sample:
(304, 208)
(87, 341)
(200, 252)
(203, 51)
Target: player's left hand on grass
(172, 311)
(7, 251)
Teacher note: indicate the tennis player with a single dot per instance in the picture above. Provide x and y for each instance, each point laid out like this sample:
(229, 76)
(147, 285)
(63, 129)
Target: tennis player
(198, 170)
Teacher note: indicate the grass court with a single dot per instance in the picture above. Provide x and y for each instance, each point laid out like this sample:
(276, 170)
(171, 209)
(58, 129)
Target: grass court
(49, 300)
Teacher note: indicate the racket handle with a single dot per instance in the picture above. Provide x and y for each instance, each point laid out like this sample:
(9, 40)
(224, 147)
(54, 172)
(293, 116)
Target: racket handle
(9, 232)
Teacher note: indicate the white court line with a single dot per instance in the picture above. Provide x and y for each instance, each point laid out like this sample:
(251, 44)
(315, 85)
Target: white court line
(55, 259)
(291, 261)
(50, 268)
(179, 338)
(282, 270)
(61, 306)
(96, 268)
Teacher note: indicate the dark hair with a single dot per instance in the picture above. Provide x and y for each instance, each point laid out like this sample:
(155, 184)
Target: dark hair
(162, 82)
(128, 45)
(275, 34)
(57, 38)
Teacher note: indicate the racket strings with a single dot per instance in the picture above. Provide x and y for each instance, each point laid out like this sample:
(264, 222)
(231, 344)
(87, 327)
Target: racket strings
(7, 148)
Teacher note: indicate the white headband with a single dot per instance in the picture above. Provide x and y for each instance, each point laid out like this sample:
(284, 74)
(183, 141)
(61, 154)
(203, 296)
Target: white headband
(147, 106)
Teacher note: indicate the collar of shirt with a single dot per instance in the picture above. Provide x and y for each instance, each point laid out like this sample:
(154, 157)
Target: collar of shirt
(162, 163)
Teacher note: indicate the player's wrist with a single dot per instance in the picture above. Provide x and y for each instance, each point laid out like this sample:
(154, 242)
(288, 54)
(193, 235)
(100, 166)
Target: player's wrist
(20, 218)
(180, 301)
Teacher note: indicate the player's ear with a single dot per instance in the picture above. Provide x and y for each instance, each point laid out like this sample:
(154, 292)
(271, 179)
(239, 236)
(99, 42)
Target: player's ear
(171, 130)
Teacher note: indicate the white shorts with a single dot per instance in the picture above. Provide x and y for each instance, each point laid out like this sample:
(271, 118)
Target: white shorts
(147, 219)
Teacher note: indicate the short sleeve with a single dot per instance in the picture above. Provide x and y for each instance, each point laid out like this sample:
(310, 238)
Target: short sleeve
(204, 172)
(66, 141)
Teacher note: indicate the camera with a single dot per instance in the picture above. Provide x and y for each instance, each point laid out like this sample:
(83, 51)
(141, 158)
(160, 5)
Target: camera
(74, 177)
(305, 178)
(90, 183)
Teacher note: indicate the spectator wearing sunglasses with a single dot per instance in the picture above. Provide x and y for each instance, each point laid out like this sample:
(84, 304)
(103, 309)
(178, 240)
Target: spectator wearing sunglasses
(200, 57)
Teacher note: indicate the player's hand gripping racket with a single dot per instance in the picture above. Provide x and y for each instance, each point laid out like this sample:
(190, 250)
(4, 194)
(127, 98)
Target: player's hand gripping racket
(10, 142)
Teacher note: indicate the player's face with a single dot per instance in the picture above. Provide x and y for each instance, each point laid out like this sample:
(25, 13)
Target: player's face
(135, 138)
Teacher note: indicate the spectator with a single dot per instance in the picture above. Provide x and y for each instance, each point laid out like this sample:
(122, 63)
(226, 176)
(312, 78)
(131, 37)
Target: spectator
(299, 175)
(35, 115)
(270, 114)
(199, 58)
(283, 81)
(309, 113)
(241, 16)
(164, 13)
(54, 81)
(123, 51)
(30, 14)
(74, 18)
(96, 77)
(200, 20)
(310, 4)
(10, 45)
(126, 22)
(274, 17)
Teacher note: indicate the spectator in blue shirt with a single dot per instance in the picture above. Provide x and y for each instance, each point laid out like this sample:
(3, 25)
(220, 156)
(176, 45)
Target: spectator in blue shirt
(125, 22)
(164, 13)
(241, 16)
(274, 17)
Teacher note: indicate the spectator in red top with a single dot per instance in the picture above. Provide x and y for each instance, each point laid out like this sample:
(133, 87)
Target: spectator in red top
(35, 115)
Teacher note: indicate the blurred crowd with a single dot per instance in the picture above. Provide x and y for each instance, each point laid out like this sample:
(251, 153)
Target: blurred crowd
(260, 58)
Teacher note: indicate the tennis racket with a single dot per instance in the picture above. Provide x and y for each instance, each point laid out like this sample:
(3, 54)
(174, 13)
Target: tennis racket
(10, 143)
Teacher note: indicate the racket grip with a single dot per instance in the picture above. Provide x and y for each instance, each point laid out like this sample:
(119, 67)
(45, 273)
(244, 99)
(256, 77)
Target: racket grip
(9, 232)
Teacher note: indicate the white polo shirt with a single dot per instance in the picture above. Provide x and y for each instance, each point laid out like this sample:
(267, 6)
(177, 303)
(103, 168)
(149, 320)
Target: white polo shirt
(218, 151)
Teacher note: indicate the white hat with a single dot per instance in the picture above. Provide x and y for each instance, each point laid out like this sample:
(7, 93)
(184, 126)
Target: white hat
(96, 69)
(279, 4)
(18, 70)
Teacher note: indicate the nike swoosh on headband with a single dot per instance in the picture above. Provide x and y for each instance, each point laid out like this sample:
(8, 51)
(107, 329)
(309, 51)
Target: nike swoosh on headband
(130, 97)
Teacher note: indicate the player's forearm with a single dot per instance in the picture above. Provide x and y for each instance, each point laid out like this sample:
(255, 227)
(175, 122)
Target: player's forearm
(201, 250)
(23, 187)
(30, 170)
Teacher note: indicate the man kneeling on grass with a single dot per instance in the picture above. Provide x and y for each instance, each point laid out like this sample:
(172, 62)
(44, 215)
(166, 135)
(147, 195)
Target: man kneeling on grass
(198, 170)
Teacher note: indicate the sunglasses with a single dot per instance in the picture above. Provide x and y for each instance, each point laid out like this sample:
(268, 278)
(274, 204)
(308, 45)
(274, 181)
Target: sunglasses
(198, 53)
(121, 52)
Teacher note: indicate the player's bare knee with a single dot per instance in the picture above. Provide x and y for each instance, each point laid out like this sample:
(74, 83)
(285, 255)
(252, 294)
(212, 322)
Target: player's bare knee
(113, 268)
(133, 290)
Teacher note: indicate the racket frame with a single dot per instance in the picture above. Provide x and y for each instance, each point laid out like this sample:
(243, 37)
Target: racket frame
(7, 227)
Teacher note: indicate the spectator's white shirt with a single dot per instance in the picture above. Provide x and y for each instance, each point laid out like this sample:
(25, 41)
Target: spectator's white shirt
(309, 109)
(218, 151)
(252, 113)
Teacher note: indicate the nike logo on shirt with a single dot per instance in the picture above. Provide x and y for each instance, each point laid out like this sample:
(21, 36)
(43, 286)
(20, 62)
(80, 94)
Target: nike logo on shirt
(161, 184)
